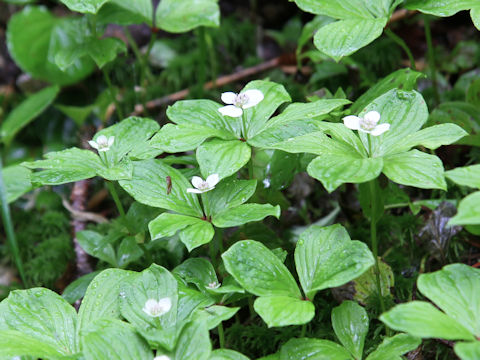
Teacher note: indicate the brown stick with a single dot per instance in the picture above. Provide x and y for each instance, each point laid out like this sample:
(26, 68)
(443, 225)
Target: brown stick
(221, 81)
(79, 199)
(400, 15)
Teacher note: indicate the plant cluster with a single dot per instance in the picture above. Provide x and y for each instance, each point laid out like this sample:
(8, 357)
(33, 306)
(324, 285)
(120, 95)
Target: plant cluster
(200, 252)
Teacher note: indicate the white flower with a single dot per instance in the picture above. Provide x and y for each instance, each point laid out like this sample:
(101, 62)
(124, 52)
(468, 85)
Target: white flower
(156, 308)
(204, 186)
(161, 357)
(213, 285)
(102, 143)
(238, 102)
(367, 124)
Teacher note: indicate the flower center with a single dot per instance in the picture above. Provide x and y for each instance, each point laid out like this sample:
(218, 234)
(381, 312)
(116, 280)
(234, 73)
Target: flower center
(368, 124)
(241, 100)
(157, 309)
(203, 186)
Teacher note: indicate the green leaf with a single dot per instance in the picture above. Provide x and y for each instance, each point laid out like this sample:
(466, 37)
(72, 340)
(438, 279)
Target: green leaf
(194, 342)
(313, 349)
(198, 271)
(346, 9)
(326, 257)
(405, 111)
(415, 168)
(222, 157)
(344, 37)
(366, 285)
(468, 211)
(226, 354)
(257, 116)
(50, 35)
(177, 138)
(131, 138)
(284, 310)
(475, 14)
(76, 289)
(73, 165)
(340, 132)
(337, 168)
(258, 270)
(350, 323)
(468, 351)
(405, 79)
(179, 16)
(245, 213)
(467, 176)
(197, 234)
(102, 51)
(43, 316)
(441, 8)
(422, 319)
(128, 251)
(454, 289)
(84, 6)
(102, 297)
(17, 181)
(149, 186)
(153, 283)
(115, 340)
(230, 193)
(98, 246)
(126, 12)
(203, 113)
(27, 111)
(14, 344)
(297, 119)
(394, 347)
(214, 315)
(431, 138)
(168, 224)
(190, 300)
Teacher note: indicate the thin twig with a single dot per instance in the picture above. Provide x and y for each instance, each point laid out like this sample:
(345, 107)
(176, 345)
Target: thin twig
(79, 199)
(221, 81)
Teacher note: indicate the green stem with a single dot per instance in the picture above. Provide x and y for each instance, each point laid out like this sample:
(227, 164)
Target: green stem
(303, 331)
(202, 75)
(221, 336)
(431, 58)
(244, 126)
(212, 57)
(148, 256)
(206, 204)
(8, 225)
(112, 94)
(403, 45)
(373, 235)
(116, 199)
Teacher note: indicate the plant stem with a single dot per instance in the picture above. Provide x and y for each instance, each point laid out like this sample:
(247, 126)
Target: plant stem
(112, 94)
(202, 75)
(400, 42)
(431, 58)
(8, 225)
(244, 126)
(221, 335)
(373, 236)
(206, 204)
(303, 331)
(116, 199)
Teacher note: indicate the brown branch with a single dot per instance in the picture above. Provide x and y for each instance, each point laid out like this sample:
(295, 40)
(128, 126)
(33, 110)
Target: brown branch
(221, 81)
(400, 15)
(79, 199)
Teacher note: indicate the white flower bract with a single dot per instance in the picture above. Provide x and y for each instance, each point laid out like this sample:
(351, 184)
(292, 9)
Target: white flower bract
(238, 102)
(367, 124)
(158, 308)
(161, 357)
(102, 143)
(202, 186)
(213, 285)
